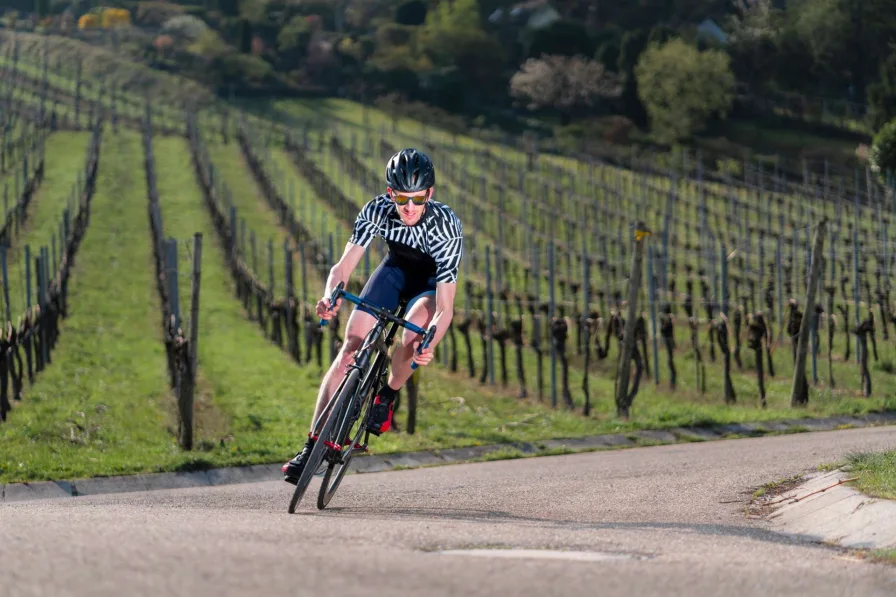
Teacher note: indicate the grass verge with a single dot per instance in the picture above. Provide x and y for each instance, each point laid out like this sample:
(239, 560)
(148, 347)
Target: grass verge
(876, 473)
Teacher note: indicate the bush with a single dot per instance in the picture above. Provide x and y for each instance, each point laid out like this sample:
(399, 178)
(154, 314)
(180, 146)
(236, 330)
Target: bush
(883, 150)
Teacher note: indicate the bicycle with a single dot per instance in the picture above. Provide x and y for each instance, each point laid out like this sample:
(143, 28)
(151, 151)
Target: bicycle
(340, 425)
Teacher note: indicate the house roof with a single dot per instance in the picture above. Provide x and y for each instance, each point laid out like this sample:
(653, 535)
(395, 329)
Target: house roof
(709, 28)
(532, 14)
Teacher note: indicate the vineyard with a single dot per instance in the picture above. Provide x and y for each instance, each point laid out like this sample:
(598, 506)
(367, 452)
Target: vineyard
(162, 251)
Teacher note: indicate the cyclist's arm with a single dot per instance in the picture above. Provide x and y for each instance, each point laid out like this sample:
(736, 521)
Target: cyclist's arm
(445, 293)
(365, 228)
(447, 251)
(342, 269)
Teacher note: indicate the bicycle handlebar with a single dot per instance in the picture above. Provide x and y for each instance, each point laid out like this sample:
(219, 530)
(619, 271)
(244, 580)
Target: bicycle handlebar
(340, 291)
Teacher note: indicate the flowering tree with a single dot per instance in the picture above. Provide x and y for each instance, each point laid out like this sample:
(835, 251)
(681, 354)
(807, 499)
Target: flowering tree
(563, 83)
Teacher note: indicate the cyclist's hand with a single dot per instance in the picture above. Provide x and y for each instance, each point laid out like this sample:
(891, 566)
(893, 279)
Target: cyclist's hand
(323, 308)
(424, 357)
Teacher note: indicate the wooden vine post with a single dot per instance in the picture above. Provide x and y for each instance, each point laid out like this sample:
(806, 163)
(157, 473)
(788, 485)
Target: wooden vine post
(799, 393)
(623, 398)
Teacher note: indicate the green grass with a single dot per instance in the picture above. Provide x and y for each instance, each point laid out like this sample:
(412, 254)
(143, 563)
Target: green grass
(65, 155)
(102, 406)
(572, 175)
(316, 212)
(773, 485)
(99, 61)
(876, 473)
(884, 556)
(351, 120)
(261, 398)
(252, 207)
(253, 401)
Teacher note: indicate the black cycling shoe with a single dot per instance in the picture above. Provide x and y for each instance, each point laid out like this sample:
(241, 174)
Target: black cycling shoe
(292, 470)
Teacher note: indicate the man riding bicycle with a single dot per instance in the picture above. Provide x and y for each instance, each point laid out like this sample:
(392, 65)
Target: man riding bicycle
(425, 240)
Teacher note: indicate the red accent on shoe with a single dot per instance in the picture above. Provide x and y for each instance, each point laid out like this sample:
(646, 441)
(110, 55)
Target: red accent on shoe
(387, 424)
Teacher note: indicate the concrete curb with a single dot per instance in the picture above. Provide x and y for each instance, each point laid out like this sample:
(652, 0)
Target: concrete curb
(820, 510)
(372, 463)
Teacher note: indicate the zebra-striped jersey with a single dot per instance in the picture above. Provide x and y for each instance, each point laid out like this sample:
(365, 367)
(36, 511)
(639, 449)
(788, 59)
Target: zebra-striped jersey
(434, 244)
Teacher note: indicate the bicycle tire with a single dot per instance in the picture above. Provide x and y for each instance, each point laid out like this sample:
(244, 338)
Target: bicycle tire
(320, 448)
(327, 491)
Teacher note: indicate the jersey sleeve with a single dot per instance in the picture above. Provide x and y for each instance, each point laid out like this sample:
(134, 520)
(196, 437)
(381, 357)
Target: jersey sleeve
(366, 225)
(448, 248)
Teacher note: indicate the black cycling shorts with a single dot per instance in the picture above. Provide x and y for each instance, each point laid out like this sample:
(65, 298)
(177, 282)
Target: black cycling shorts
(390, 284)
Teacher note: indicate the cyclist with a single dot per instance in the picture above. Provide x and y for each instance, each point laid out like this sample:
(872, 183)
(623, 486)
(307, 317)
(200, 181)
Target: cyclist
(425, 240)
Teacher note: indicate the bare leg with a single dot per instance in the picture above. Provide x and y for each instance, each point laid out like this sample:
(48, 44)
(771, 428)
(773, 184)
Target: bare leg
(421, 314)
(359, 325)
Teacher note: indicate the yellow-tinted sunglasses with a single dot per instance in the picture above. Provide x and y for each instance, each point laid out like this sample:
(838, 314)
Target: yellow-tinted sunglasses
(400, 199)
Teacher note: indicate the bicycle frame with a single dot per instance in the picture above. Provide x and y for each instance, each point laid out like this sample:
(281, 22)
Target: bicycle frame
(337, 417)
(367, 371)
(361, 361)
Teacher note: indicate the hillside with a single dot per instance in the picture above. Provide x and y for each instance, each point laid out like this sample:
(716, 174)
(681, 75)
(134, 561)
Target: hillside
(534, 349)
(492, 64)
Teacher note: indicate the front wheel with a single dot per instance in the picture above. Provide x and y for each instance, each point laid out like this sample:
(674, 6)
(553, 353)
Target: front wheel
(356, 426)
(347, 389)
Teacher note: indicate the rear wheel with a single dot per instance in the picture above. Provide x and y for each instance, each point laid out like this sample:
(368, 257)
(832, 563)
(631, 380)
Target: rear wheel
(320, 450)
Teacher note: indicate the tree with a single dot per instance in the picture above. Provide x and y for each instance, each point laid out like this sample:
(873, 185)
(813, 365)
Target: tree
(882, 95)
(294, 35)
(563, 38)
(608, 43)
(823, 27)
(632, 44)
(452, 36)
(41, 8)
(682, 88)
(753, 33)
(184, 28)
(412, 12)
(563, 83)
(155, 14)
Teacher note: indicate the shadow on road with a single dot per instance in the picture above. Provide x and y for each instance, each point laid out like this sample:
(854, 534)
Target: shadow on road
(499, 517)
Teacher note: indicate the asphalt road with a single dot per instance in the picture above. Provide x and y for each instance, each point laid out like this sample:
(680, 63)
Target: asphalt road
(659, 521)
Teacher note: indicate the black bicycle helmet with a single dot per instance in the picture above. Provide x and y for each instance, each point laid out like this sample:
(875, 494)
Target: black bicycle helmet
(409, 171)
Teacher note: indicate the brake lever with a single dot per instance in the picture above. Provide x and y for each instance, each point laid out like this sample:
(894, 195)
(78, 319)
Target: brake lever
(333, 298)
(427, 338)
